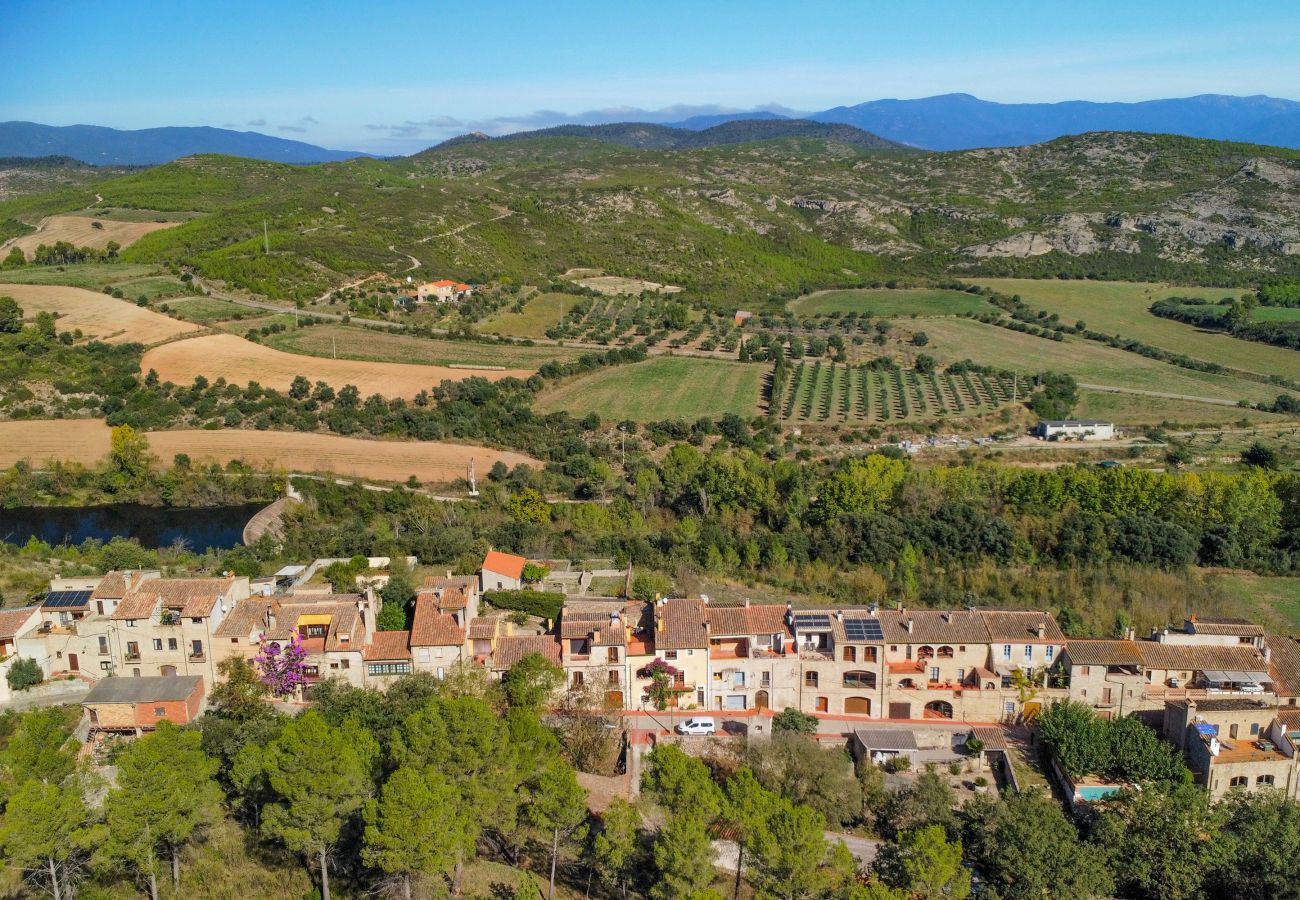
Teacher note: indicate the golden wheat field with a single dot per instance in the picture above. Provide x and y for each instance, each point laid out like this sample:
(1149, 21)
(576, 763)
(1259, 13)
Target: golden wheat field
(86, 441)
(80, 232)
(97, 315)
(240, 361)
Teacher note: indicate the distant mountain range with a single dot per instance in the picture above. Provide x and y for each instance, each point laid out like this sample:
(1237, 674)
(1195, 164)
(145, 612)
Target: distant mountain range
(149, 146)
(648, 136)
(960, 121)
(946, 122)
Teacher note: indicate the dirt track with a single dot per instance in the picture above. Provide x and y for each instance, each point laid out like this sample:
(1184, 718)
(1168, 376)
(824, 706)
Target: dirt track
(87, 441)
(240, 361)
(97, 315)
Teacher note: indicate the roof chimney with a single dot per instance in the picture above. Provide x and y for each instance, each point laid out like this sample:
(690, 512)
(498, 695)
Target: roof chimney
(947, 617)
(910, 624)
(839, 615)
(1042, 630)
(1268, 653)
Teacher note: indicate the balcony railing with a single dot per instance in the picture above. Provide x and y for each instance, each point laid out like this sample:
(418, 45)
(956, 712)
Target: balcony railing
(198, 657)
(132, 657)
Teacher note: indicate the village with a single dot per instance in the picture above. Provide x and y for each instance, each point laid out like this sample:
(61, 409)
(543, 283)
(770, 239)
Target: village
(882, 681)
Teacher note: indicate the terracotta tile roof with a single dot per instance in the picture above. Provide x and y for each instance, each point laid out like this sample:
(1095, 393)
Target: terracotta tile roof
(460, 582)
(1284, 661)
(187, 596)
(603, 630)
(1187, 657)
(483, 628)
(679, 625)
(114, 586)
(1289, 716)
(344, 620)
(504, 564)
(727, 620)
(1103, 653)
(433, 628)
(389, 645)
(444, 283)
(767, 618)
(510, 650)
(994, 738)
(933, 626)
(1021, 626)
(1227, 626)
(247, 618)
(13, 619)
(448, 599)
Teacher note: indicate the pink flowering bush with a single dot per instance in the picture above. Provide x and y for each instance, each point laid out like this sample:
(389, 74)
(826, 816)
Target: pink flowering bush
(283, 667)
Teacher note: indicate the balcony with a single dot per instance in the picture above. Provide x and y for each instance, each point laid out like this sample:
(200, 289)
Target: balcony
(198, 657)
(169, 618)
(132, 657)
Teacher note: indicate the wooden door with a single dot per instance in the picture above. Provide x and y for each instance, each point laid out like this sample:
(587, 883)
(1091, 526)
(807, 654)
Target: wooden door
(73, 664)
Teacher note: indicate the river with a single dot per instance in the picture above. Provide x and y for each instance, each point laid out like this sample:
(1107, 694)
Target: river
(215, 528)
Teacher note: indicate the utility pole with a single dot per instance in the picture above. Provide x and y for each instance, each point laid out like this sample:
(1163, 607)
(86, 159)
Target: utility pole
(334, 346)
(266, 240)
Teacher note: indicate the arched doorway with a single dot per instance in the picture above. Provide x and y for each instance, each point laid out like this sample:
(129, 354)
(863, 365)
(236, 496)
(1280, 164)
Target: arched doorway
(167, 670)
(857, 706)
(938, 709)
(761, 700)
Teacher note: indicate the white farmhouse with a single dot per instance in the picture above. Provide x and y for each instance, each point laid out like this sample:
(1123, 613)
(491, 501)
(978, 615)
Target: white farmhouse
(1074, 430)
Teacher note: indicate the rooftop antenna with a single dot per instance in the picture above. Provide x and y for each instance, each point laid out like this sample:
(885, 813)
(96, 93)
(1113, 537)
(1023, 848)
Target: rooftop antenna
(266, 240)
(473, 488)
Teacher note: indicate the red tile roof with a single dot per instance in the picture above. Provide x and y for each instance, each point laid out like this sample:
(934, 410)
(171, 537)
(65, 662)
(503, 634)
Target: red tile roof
(504, 564)
(510, 650)
(196, 597)
(679, 625)
(389, 645)
(13, 619)
(432, 628)
(114, 585)
(483, 628)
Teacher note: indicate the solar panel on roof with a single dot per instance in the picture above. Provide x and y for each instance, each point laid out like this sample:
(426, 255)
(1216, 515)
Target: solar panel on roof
(810, 622)
(67, 598)
(863, 630)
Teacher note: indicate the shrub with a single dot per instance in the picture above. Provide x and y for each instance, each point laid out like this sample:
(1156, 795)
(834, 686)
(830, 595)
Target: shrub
(24, 674)
(543, 604)
(954, 768)
(981, 781)
(791, 719)
(897, 763)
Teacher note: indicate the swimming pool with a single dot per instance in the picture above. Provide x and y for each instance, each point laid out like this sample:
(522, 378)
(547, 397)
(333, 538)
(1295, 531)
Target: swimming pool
(1097, 791)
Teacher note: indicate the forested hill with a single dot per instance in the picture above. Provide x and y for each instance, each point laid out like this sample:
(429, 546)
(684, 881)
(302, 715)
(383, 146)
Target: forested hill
(737, 223)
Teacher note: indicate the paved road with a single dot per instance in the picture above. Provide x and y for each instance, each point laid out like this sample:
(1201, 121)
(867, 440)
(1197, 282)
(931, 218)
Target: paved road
(55, 693)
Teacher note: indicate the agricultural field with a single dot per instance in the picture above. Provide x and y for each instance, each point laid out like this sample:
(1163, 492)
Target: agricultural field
(240, 361)
(98, 315)
(83, 231)
(665, 387)
(208, 310)
(352, 342)
(1275, 314)
(93, 276)
(615, 284)
(1124, 308)
(820, 392)
(1136, 409)
(883, 302)
(1088, 361)
(86, 441)
(541, 311)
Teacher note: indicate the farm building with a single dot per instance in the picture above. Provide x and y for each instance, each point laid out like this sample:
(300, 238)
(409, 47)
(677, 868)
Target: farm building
(1073, 430)
(502, 572)
(136, 705)
(444, 291)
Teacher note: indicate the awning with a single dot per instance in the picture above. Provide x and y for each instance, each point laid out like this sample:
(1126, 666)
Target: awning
(1236, 677)
(1004, 671)
(290, 572)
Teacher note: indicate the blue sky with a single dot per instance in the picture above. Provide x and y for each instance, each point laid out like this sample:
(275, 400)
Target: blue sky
(390, 76)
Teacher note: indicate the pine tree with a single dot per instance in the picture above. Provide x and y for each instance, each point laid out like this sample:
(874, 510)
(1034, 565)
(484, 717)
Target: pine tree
(320, 777)
(683, 858)
(47, 831)
(166, 792)
(559, 806)
(403, 839)
(614, 849)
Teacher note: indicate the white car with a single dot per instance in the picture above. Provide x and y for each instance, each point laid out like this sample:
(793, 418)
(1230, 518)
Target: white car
(698, 725)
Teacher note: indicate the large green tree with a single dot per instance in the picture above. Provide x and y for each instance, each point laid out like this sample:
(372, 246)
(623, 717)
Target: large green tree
(683, 858)
(1262, 853)
(613, 849)
(403, 836)
(47, 832)
(746, 808)
(680, 783)
(790, 857)
(319, 776)
(925, 864)
(40, 748)
(166, 792)
(557, 807)
(1163, 841)
(532, 681)
(1026, 849)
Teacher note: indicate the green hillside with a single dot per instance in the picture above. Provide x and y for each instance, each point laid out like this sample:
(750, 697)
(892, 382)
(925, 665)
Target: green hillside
(739, 225)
